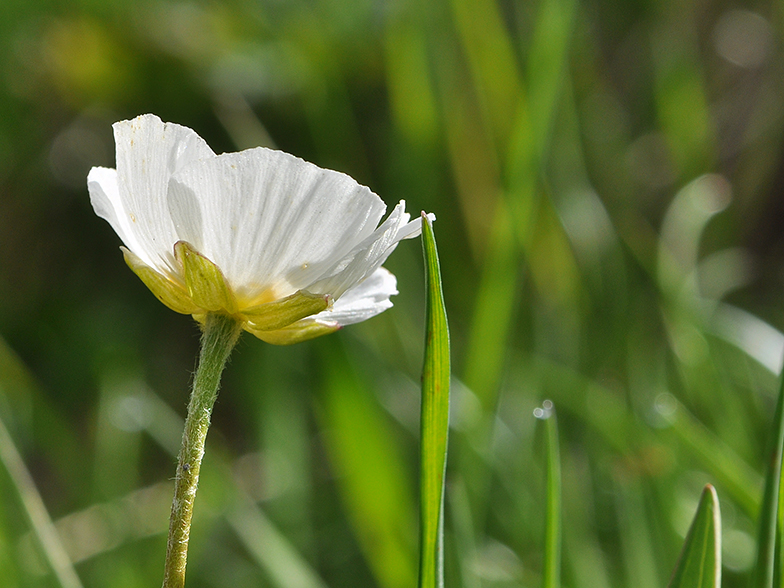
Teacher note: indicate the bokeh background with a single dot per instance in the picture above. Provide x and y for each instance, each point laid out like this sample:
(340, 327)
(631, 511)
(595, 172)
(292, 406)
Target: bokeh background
(607, 180)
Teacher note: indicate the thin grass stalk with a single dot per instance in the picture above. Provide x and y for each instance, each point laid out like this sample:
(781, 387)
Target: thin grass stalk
(764, 569)
(551, 577)
(43, 528)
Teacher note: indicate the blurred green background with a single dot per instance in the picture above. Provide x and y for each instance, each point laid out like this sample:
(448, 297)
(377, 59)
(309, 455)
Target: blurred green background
(607, 180)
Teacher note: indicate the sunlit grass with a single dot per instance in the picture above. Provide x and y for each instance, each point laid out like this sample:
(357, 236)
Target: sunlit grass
(585, 256)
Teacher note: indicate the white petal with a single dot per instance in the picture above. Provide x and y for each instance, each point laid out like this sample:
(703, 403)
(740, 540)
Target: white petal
(363, 301)
(105, 198)
(270, 220)
(368, 256)
(149, 151)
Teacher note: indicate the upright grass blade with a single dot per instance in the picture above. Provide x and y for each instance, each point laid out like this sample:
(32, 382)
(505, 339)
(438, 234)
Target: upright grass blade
(370, 470)
(764, 569)
(699, 565)
(434, 424)
(551, 576)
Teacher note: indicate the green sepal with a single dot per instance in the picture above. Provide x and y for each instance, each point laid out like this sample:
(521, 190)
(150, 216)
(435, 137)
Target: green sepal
(167, 291)
(297, 333)
(204, 280)
(279, 314)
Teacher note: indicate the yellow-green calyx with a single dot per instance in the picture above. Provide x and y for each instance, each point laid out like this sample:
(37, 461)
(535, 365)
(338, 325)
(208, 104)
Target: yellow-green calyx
(201, 289)
(204, 281)
(296, 333)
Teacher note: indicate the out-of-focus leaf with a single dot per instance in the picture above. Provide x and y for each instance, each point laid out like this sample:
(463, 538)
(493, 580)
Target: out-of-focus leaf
(371, 472)
(699, 565)
(36, 511)
(736, 477)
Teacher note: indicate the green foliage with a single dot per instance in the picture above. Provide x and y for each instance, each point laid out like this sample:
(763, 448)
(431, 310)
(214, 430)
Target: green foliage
(606, 180)
(434, 427)
(768, 566)
(375, 488)
(699, 565)
(551, 577)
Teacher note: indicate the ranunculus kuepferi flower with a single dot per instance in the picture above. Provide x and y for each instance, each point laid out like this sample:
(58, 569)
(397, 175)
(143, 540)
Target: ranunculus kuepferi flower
(291, 250)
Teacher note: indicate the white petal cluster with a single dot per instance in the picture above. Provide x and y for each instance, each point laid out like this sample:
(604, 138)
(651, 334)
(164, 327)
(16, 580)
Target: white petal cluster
(272, 224)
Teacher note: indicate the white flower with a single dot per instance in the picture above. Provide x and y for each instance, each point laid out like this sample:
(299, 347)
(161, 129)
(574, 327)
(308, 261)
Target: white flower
(290, 249)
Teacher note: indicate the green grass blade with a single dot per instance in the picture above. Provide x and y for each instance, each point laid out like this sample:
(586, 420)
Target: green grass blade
(270, 548)
(491, 58)
(699, 565)
(778, 554)
(551, 578)
(766, 542)
(737, 479)
(434, 421)
(371, 471)
(495, 303)
(41, 522)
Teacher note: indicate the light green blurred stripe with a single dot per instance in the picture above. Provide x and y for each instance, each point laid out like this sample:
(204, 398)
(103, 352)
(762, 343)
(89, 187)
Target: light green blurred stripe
(522, 163)
(585, 557)
(547, 65)
(17, 391)
(682, 104)
(41, 522)
(371, 472)
(492, 61)
(465, 534)
(634, 529)
(270, 548)
(411, 91)
(24, 403)
(493, 311)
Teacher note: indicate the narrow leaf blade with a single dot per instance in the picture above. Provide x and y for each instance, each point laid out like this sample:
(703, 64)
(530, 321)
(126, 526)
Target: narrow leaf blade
(766, 560)
(434, 420)
(551, 578)
(699, 565)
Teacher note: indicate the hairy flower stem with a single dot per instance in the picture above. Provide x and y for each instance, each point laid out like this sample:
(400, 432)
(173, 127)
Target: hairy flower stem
(218, 339)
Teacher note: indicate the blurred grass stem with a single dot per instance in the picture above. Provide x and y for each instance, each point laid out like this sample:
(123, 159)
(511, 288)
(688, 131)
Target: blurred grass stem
(36, 511)
(218, 339)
